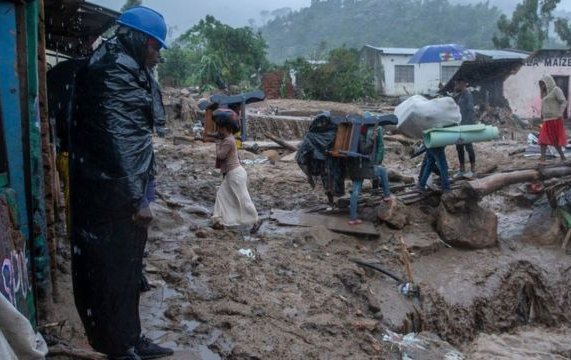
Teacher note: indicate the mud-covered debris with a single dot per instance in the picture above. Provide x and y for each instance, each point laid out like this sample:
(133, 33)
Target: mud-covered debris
(247, 253)
(394, 213)
(422, 346)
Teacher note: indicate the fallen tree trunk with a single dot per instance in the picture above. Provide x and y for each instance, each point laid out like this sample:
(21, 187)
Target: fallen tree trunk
(495, 182)
(462, 222)
(400, 138)
(74, 353)
(281, 142)
(257, 146)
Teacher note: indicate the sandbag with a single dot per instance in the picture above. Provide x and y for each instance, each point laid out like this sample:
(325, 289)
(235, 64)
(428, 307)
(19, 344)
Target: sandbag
(18, 341)
(417, 114)
(464, 134)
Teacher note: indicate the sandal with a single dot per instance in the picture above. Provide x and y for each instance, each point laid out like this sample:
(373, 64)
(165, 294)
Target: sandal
(355, 222)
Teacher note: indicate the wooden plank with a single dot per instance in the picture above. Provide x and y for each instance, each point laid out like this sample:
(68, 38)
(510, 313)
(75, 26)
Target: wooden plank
(331, 222)
(342, 139)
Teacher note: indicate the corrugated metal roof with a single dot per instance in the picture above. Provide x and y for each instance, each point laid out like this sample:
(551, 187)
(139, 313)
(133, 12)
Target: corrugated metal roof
(394, 50)
(73, 25)
(493, 54)
(501, 54)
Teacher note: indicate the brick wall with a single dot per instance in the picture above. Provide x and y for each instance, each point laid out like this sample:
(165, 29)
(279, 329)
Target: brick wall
(272, 83)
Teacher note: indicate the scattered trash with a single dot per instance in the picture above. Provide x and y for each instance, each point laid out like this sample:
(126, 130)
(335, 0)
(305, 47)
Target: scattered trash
(257, 161)
(535, 188)
(409, 289)
(423, 345)
(408, 340)
(533, 148)
(247, 252)
(198, 130)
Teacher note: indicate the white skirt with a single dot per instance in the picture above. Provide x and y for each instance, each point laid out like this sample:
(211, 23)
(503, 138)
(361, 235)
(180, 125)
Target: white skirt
(233, 205)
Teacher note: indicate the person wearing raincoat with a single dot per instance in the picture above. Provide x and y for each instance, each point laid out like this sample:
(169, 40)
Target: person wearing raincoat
(553, 105)
(111, 168)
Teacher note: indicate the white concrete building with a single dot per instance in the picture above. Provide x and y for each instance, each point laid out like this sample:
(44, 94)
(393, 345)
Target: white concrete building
(394, 76)
(522, 89)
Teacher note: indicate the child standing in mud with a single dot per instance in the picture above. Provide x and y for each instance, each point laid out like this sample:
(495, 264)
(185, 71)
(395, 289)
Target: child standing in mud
(233, 206)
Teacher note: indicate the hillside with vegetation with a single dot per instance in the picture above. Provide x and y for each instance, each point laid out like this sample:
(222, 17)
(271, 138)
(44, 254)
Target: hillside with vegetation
(329, 24)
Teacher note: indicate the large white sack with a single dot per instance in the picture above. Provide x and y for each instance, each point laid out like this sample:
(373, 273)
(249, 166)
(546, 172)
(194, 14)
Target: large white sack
(18, 341)
(417, 114)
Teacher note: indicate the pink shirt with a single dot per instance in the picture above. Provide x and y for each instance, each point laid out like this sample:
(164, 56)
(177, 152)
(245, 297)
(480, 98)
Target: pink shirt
(227, 154)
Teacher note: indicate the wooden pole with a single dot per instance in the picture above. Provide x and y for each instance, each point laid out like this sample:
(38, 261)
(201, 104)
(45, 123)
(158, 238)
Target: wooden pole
(406, 260)
(51, 180)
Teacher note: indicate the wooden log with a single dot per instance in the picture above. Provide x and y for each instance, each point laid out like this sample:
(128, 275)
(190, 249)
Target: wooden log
(256, 146)
(281, 142)
(74, 353)
(406, 260)
(400, 138)
(495, 182)
(489, 184)
(518, 151)
(178, 140)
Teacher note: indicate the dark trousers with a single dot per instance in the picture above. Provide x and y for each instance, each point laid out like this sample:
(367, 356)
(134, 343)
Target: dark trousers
(435, 156)
(107, 260)
(471, 153)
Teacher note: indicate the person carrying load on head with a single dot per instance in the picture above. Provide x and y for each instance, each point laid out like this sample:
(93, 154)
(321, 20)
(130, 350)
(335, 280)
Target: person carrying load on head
(553, 105)
(233, 206)
(360, 168)
(465, 101)
(111, 168)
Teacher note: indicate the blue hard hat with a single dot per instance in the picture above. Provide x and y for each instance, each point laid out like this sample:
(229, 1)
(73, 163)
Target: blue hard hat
(145, 20)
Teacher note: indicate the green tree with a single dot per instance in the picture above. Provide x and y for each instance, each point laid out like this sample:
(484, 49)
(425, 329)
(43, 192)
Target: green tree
(131, 3)
(390, 23)
(175, 71)
(220, 51)
(563, 29)
(528, 27)
(341, 78)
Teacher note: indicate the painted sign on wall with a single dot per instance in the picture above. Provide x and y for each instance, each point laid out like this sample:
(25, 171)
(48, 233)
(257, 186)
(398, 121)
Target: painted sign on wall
(15, 283)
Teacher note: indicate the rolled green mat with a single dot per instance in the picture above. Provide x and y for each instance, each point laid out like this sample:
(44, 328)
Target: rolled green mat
(463, 134)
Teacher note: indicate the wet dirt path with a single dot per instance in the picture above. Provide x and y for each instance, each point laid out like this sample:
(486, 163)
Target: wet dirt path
(299, 296)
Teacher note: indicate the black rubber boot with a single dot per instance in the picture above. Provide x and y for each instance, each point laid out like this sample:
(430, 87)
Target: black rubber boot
(149, 350)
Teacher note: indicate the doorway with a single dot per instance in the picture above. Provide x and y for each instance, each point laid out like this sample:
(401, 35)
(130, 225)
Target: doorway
(563, 83)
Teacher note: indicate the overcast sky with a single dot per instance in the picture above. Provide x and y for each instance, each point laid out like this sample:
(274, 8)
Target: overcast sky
(183, 14)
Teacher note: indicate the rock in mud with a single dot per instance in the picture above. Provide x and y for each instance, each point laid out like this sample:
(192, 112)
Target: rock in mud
(320, 235)
(543, 227)
(463, 223)
(272, 155)
(394, 213)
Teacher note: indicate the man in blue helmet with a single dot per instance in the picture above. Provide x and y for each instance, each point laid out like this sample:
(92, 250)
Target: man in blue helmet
(111, 184)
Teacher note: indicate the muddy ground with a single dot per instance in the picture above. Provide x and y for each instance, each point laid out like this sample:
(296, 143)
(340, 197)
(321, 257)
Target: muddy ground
(296, 294)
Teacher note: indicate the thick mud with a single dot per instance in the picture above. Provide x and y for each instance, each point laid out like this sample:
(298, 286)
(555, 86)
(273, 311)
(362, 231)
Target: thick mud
(294, 293)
